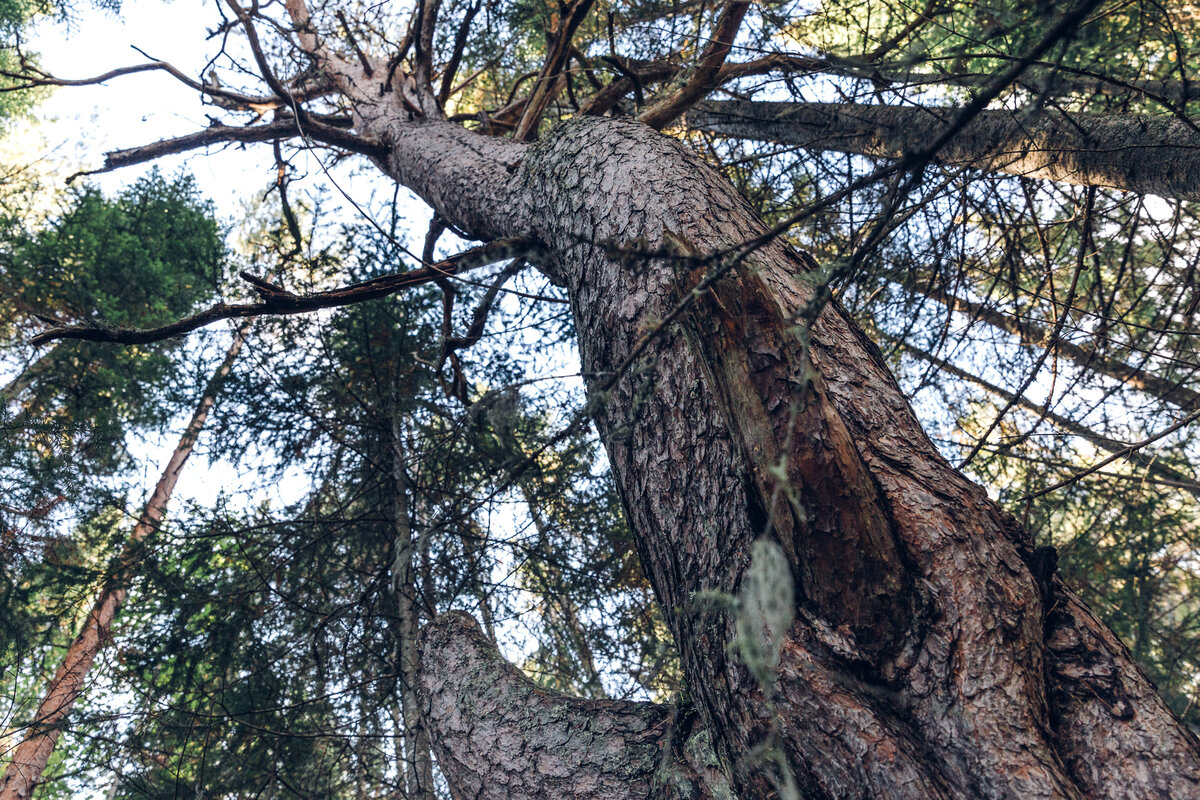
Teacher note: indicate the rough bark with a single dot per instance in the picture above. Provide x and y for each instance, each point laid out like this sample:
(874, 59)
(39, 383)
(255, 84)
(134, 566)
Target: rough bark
(923, 662)
(917, 665)
(518, 741)
(29, 760)
(1145, 154)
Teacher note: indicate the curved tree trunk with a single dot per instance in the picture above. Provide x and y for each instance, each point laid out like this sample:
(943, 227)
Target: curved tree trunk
(922, 662)
(1149, 155)
(931, 655)
(29, 760)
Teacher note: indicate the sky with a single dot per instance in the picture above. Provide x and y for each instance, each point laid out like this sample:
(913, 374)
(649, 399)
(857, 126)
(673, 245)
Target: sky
(77, 125)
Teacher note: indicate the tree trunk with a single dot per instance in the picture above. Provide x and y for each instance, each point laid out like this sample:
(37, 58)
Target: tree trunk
(25, 771)
(516, 739)
(418, 765)
(1163, 473)
(928, 657)
(1145, 154)
(1030, 334)
(923, 661)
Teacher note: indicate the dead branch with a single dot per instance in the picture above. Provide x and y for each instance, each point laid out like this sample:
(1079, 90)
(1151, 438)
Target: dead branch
(277, 301)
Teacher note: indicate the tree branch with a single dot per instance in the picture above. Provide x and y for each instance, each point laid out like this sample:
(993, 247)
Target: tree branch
(1145, 154)
(546, 86)
(286, 127)
(499, 736)
(1165, 473)
(707, 70)
(278, 301)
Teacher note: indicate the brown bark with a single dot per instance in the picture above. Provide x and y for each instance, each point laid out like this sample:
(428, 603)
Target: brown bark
(917, 665)
(1139, 153)
(928, 658)
(29, 760)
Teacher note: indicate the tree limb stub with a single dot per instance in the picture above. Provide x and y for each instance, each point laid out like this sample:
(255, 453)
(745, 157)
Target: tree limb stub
(499, 736)
(278, 301)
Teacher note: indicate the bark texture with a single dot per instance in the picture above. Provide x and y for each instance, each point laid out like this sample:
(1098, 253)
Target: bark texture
(29, 760)
(1145, 154)
(517, 741)
(917, 664)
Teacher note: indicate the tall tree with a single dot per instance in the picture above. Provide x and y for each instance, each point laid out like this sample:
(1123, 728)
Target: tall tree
(896, 634)
(29, 759)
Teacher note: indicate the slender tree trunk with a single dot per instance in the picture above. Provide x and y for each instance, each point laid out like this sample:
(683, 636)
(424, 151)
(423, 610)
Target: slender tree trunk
(1145, 154)
(29, 760)
(932, 655)
(25, 378)
(418, 764)
(1030, 334)
(1162, 472)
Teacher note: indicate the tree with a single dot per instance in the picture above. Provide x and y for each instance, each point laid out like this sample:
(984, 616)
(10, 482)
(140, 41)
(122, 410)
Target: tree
(757, 438)
(29, 759)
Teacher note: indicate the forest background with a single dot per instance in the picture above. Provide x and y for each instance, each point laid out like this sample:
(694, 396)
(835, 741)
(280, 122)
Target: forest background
(366, 468)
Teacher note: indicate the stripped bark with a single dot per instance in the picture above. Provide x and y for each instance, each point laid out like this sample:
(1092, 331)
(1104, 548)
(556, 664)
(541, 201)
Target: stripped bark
(1145, 154)
(29, 760)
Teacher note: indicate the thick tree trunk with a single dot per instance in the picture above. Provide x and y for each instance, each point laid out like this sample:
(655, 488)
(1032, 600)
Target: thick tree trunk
(28, 764)
(1145, 154)
(923, 662)
(928, 658)
(515, 740)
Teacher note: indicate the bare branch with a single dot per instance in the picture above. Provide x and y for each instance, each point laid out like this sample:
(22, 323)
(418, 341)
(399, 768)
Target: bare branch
(707, 70)
(460, 43)
(328, 132)
(547, 84)
(1165, 473)
(277, 301)
(1124, 452)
